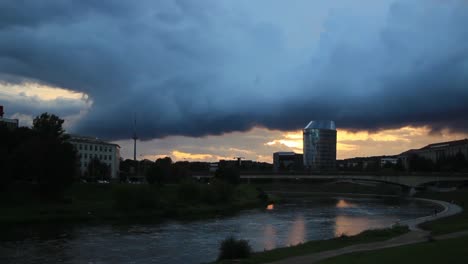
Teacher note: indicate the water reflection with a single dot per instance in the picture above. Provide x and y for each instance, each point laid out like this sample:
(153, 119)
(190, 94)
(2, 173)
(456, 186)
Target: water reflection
(269, 237)
(297, 232)
(350, 225)
(289, 223)
(344, 204)
(270, 207)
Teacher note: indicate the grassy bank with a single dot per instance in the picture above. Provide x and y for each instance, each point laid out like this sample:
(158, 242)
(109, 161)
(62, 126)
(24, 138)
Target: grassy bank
(445, 225)
(443, 251)
(450, 224)
(323, 245)
(126, 203)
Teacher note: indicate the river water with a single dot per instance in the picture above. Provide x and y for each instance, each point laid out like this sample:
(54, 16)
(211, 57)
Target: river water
(289, 223)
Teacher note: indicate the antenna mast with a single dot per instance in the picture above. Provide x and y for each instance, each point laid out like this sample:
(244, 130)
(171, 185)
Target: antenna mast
(134, 137)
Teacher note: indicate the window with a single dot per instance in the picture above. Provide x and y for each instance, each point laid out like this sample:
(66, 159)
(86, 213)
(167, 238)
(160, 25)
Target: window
(95, 148)
(85, 147)
(85, 155)
(100, 148)
(80, 146)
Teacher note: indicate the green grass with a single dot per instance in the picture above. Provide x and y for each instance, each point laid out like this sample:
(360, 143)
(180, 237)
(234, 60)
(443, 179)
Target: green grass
(450, 224)
(124, 203)
(323, 245)
(442, 251)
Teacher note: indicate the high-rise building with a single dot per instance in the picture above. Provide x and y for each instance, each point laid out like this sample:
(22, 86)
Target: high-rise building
(319, 138)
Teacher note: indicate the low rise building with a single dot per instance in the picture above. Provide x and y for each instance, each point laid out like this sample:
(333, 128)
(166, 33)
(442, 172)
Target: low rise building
(8, 122)
(388, 161)
(287, 161)
(89, 148)
(437, 152)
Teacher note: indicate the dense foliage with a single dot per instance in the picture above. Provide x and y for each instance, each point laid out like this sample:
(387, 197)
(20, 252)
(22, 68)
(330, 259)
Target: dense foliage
(39, 155)
(232, 248)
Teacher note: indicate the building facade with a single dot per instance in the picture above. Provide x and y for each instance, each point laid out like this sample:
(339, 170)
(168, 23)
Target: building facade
(319, 139)
(437, 151)
(88, 148)
(287, 161)
(9, 123)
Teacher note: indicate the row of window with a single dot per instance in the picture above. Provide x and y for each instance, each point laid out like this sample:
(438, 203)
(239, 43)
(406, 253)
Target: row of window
(94, 147)
(85, 164)
(101, 157)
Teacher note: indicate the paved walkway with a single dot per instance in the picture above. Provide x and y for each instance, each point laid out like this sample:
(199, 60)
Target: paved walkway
(416, 235)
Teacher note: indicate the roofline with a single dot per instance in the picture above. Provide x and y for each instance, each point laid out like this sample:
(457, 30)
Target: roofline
(85, 139)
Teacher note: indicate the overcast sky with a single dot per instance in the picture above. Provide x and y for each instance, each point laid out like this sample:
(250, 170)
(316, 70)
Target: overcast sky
(216, 69)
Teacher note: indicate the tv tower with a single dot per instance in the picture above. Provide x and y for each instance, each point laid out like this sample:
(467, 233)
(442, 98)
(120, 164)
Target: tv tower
(134, 137)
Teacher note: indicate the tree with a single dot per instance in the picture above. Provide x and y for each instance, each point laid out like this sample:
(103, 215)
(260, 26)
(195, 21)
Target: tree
(165, 166)
(98, 170)
(417, 163)
(39, 155)
(49, 126)
(154, 174)
(180, 170)
(53, 160)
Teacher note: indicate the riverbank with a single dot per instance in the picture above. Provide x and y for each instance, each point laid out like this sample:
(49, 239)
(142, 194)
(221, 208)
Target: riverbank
(440, 249)
(439, 222)
(127, 203)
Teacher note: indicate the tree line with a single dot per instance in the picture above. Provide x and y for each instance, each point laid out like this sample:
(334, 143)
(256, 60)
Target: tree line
(40, 155)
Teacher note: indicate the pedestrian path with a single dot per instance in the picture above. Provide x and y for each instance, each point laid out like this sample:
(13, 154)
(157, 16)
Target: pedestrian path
(415, 235)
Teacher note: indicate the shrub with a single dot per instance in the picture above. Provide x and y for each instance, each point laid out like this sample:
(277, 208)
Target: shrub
(232, 248)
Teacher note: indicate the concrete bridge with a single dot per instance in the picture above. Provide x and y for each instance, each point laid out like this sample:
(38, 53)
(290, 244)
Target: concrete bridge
(405, 181)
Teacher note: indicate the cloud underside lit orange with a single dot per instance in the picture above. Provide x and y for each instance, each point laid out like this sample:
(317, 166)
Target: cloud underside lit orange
(383, 142)
(260, 143)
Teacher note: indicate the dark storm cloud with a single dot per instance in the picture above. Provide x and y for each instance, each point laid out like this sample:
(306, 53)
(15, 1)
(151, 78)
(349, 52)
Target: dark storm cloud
(209, 67)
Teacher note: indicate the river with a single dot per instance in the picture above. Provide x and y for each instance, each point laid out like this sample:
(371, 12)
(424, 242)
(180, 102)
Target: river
(292, 222)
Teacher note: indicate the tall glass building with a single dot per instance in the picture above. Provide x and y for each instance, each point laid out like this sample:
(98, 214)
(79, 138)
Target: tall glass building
(319, 138)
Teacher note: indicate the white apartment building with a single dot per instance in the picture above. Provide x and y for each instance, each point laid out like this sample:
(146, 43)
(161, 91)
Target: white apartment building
(88, 148)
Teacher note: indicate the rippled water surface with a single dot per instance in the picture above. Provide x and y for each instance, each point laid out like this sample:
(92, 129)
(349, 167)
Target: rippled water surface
(286, 224)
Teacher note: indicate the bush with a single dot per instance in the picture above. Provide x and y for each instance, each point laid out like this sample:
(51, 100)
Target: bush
(131, 197)
(232, 248)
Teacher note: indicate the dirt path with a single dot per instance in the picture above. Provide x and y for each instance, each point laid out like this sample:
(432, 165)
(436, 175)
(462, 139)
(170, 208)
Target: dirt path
(416, 235)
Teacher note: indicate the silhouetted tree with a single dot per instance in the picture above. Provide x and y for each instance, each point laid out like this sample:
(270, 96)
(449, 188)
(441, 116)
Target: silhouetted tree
(49, 126)
(155, 174)
(417, 163)
(180, 170)
(38, 155)
(97, 170)
(165, 166)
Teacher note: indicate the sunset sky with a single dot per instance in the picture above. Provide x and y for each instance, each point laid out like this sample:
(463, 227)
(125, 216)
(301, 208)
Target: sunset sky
(216, 79)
